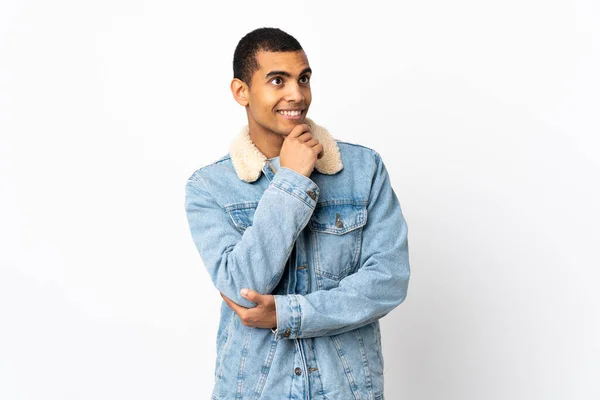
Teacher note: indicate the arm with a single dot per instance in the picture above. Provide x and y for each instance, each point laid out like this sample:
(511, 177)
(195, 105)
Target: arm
(255, 259)
(379, 285)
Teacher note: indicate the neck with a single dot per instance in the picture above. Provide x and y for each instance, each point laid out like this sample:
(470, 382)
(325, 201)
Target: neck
(267, 142)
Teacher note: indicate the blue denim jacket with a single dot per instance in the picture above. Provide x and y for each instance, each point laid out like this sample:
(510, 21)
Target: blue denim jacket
(332, 248)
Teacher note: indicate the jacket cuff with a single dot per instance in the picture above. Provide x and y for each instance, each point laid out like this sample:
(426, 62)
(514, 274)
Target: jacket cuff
(297, 185)
(288, 317)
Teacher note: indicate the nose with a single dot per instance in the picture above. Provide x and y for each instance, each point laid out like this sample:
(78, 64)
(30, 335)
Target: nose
(294, 94)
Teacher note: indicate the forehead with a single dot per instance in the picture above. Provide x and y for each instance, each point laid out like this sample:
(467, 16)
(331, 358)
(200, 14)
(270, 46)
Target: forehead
(290, 61)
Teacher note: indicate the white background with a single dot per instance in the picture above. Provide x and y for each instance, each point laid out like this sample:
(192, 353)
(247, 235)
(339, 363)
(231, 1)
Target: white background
(485, 113)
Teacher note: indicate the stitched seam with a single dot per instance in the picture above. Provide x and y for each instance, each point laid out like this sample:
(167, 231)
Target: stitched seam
(240, 378)
(347, 367)
(241, 205)
(368, 377)
(291, 193)
(224, 350)
(299, 320)
(318, 372)
(266, 368)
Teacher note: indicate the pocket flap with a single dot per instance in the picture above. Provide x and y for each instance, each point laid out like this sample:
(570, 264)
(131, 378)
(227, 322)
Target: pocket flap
(242, 214)
(338, 218)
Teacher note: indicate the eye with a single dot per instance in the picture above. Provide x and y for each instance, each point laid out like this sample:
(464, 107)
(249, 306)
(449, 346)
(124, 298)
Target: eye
(277, 78)
(305, 77)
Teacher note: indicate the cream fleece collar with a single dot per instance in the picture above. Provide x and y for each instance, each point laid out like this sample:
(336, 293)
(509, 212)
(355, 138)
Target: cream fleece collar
(248, 161)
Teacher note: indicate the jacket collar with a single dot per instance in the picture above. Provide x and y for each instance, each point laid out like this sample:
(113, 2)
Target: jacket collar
(248, 161)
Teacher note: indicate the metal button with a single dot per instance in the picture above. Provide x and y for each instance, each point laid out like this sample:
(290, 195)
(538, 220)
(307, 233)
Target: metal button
(287, 332)
(312, 194)
(338, 221)
(301, 267)
(298, 371)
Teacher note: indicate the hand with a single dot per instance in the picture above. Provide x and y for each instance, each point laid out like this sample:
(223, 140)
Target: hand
(300, 150)
(264, 315)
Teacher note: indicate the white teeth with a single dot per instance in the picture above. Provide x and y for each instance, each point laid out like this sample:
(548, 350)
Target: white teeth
(291, 113)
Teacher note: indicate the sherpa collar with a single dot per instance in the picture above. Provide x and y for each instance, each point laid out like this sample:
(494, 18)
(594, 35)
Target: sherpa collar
(248, 160)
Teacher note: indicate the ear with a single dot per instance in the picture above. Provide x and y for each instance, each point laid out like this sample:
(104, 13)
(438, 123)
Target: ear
(240, 90)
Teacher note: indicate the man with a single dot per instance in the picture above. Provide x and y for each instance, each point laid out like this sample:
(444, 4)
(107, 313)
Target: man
(310, 226)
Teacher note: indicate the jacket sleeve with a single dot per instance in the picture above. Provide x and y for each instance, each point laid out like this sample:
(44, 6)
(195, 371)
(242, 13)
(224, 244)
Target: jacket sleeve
(379, 285)
(255, 259)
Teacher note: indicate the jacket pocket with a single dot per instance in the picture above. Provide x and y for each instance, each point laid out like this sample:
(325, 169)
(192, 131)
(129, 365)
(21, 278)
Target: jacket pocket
(242, 214)
(336, 232)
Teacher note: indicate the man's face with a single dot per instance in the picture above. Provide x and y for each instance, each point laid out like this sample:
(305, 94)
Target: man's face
(281, 83)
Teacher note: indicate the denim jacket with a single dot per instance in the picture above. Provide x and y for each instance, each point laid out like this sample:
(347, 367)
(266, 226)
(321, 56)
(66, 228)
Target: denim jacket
(332, 248)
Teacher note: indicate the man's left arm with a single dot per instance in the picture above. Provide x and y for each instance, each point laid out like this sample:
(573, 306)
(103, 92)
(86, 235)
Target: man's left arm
(378, 286)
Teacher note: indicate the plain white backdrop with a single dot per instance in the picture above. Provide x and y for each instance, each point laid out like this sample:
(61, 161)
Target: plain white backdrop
(485, 113)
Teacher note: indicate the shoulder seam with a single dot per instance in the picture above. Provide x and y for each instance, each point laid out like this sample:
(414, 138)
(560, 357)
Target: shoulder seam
(197, 171)
(356, 145)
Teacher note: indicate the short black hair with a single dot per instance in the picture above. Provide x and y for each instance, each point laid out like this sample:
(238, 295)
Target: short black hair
(245, 63)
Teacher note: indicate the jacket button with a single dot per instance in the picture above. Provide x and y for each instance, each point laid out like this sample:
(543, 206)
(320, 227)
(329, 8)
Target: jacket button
(338, 221)
(287, 332)
(298, 371)
(312, 194)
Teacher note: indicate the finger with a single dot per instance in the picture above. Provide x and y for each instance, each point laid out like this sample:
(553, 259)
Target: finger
(312, 142)
(318, 149)
(251, 295)
(226, 299)
(298, 130)
(305, 137)
(233, 305)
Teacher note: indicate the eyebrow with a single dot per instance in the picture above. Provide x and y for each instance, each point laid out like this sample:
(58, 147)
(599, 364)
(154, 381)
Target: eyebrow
(287, 74)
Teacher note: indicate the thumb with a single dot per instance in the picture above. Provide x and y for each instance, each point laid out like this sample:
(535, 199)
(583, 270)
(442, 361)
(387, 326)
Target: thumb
(251, 295)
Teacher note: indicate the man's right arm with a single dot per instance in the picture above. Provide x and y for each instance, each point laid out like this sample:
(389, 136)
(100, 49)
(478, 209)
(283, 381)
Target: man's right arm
(255, 259)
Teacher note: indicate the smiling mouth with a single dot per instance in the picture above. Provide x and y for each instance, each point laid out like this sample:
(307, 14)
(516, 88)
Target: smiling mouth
(291, 114)
(294, 112)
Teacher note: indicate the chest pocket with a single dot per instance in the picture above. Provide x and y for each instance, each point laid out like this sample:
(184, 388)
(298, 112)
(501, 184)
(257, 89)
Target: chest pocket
(336, 234)
(242, 214)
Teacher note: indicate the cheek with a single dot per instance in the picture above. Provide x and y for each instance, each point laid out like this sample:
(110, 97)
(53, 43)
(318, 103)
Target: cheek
(264, 106)
(307, 96)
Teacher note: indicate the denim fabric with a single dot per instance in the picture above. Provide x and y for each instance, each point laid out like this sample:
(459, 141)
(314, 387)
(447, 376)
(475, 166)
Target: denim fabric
(333, 251)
